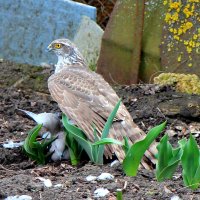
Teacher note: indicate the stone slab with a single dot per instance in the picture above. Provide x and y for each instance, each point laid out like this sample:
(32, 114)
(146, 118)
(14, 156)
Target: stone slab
(121, 45)
(88, 40)
(29, 26)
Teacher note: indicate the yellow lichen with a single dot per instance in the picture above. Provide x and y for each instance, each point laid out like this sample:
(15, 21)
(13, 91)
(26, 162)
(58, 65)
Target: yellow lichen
(186, 42)
(194, 1)
(187, 83)
(188, 49)
(181, 18)
(176, 37)
(192, 43)
(174, 5)
(165, 2)
(179, 58)
(180, 31)
(190, 65)
(174, 17)
(167, 17)
(187, 12)
(188, 25)
(195, 36)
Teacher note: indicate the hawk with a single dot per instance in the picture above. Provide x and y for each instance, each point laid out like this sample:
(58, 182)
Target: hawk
(87, 99)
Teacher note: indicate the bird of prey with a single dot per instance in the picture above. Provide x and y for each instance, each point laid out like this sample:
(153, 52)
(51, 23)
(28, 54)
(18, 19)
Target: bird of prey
(87, 99)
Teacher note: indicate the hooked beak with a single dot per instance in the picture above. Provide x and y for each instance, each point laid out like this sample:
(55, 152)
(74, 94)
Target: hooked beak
(49, 48)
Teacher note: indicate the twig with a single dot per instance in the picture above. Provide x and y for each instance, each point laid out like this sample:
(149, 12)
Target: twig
(1, 166)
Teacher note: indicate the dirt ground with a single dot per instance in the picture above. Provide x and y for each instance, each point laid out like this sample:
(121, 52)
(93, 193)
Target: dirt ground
(149, 105)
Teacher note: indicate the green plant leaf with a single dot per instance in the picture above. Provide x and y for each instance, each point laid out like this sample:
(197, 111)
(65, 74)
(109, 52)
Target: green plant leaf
(126, 146)
(168, 159)
(37, 150)
(46, 143)
(182, 142)
(108, 141)
(119, 194)
(32, 135)
(190, 163)
(95, 149)
(106, 129)
(75, 150)
(137, 150)
(73, 157)
(79, 136)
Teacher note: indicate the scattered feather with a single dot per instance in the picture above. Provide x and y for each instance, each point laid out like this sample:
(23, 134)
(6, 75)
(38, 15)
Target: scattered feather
(171, 133)
(115, 163)
(105, 176)
(17, 197)
(175, 197)
(47, 182)
(167, 190)
(58, 185)
(10, 144)
(46, 135)
(100, 192)
(91, 178)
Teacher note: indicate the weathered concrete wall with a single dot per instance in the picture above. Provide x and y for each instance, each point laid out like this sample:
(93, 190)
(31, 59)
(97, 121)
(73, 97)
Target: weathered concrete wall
(30, 25)
(88, 40)
(121, 44)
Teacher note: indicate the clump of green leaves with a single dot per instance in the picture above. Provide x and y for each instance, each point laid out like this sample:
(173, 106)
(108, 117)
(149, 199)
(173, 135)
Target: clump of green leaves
(136, 151)
(36, 150)
(119, 194)
(187, 154)
(75, 150)
(94, 150)
(168, 158)
(190, 162)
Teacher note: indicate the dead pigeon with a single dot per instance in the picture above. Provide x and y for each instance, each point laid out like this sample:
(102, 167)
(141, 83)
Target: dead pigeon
(58, 148)
(51, 121)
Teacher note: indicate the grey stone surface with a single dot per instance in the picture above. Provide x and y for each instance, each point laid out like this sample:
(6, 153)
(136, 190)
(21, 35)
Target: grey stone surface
(88, 40)
(28, 26)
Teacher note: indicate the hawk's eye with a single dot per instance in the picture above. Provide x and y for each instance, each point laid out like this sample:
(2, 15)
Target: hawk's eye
(57, 45)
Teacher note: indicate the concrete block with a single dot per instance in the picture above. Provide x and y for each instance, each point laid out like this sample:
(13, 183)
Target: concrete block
(88, 40)
(29, 26)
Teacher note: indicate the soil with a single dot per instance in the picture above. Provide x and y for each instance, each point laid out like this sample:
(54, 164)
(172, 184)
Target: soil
(19, 175)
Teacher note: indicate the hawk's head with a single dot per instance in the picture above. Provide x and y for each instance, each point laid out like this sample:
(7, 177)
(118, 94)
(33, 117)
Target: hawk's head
(67, 53)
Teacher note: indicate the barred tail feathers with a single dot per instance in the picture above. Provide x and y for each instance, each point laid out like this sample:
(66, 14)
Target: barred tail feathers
(134, 134)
